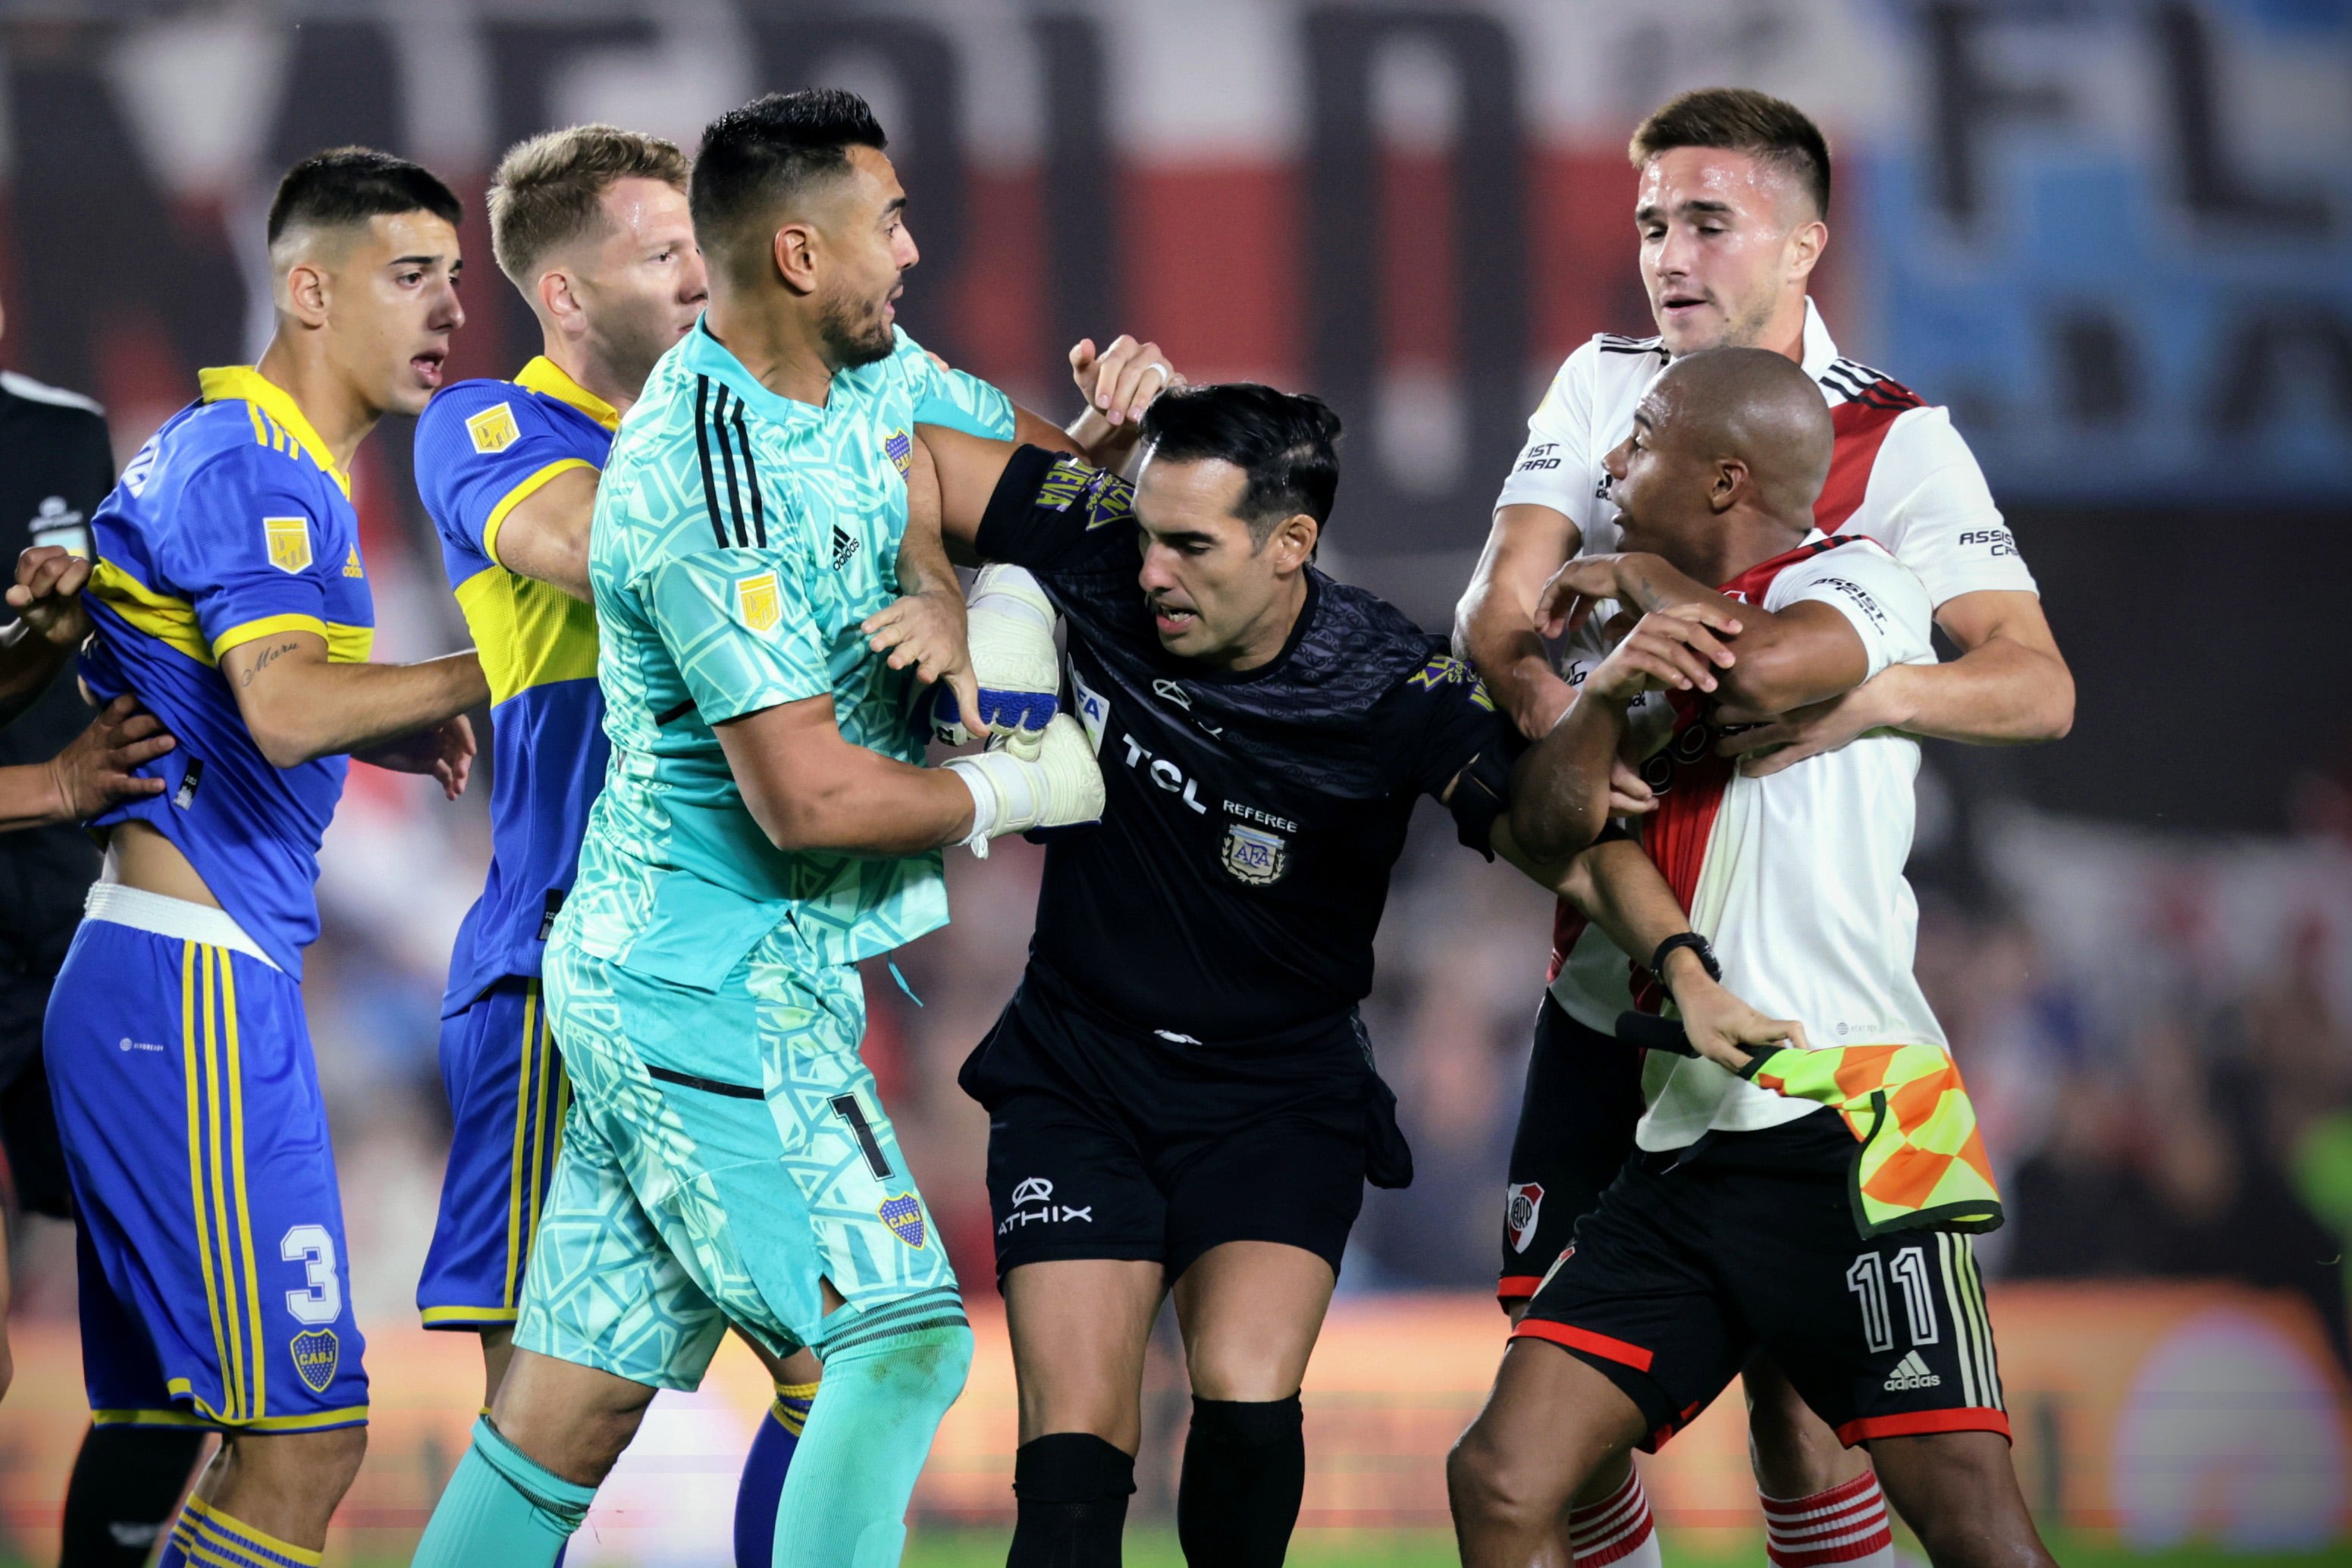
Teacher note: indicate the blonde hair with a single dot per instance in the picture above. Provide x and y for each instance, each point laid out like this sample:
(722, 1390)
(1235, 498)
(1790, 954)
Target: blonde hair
(548, 190)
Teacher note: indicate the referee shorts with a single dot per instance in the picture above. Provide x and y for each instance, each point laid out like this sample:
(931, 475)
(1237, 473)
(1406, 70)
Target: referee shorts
(1582, 1100)
(1106, 1140)
(508, 1101)
(214, 1289)
(1694, 1259)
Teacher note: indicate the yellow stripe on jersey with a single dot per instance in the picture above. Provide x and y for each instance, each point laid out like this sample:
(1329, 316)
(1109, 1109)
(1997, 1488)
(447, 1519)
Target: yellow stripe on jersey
(193, 1065)
(527, 632)
(345, 643)
(278, 421)
(522, 493)
(170, 621)
(521, 1127)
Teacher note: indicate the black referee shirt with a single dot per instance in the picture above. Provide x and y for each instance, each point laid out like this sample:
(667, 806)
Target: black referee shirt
(56, 464)
(1234, 886)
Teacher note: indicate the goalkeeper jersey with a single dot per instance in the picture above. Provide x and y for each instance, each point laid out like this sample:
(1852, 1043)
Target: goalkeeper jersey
(740, 539)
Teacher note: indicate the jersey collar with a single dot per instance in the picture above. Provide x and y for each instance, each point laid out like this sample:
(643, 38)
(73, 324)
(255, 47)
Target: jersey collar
(1820, 351)
(549, 379)
(264, 397)
(706, 355)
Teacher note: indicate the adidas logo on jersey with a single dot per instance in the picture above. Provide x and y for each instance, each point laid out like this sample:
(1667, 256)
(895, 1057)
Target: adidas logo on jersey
(844, 547)
(1912, 1373)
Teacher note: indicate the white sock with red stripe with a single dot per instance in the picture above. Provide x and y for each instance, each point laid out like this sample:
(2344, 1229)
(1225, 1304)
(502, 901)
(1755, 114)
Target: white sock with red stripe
(1844, 1525)
(1618, 1529)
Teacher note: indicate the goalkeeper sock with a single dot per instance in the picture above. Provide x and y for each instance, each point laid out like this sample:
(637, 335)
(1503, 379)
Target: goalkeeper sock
(765, 1469)
(206, 1537)
(500, 1509)
(890, 1373)
(1245, 1472)
(1073, 1488)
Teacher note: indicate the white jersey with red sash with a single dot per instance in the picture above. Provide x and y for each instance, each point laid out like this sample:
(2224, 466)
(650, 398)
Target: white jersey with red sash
(1795, 878)
(1899, 474)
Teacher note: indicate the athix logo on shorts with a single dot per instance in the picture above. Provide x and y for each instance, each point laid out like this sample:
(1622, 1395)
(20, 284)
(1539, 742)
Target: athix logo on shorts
(1039, 1191)
(904, 1214)
(316, 1351)
(1522, 1201)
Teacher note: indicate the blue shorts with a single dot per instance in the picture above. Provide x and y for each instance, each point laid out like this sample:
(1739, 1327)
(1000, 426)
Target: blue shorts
(507, 1098)
(214, 1286)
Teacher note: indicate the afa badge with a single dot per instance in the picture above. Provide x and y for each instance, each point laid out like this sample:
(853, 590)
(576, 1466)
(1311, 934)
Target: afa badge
(904, 1216)
(316, 1351)
(493, 429)
(760, 601)
(1254, 855)
(290, 542)
(901, 450)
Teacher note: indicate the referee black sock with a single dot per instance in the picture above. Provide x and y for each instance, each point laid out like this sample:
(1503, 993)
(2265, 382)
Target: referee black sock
(1072, 1488)
(127, 1482)
(1244, 1471)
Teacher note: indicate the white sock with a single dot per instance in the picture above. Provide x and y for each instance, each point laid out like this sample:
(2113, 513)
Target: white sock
(1845, 1525)
(1618, 1529)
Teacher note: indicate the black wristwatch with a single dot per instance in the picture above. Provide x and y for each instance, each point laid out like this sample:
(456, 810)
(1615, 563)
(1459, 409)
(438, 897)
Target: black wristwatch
(1696, 943)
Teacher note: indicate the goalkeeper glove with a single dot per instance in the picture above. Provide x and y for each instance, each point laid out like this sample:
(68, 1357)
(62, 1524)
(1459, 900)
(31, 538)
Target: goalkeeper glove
(1060, 787)
(1012, 637)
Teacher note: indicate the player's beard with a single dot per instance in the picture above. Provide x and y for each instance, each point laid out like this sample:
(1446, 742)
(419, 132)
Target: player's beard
(856, 334)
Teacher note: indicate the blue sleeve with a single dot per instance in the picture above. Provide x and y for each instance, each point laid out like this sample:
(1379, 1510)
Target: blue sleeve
(482, 448)
(256, 546)
(953, 398)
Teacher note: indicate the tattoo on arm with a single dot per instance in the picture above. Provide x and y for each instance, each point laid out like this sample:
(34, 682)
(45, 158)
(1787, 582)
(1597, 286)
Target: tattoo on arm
(267, 656)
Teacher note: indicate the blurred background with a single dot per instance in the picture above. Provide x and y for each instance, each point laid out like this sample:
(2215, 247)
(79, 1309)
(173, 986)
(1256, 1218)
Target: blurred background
(2115, 237)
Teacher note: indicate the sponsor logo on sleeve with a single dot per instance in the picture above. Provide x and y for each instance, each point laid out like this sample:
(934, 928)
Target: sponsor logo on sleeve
(290, 542)
(1861, 597)
(1542, 456)
(760, 600)
(493, 429)
(1996, 540)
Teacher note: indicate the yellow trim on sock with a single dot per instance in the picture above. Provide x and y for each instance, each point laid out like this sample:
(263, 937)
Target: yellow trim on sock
(231, 1526)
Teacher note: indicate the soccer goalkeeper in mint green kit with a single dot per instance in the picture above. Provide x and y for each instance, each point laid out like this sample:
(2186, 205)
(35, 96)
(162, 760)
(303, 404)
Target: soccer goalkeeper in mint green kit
(765, 823)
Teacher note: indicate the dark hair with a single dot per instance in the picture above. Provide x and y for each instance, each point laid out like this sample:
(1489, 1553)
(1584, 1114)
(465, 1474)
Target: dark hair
(1740, 120)
(1285, 442)
(550, 190)
(352, 184)
(754, 158)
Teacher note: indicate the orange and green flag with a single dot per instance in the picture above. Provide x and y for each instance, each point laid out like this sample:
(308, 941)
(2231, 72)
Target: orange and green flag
(1921, 1164)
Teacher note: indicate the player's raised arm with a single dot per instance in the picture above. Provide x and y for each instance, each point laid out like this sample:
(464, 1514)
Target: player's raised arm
(1494, 626)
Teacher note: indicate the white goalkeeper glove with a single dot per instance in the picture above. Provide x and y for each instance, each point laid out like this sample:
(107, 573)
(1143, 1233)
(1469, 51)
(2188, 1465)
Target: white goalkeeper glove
(1011, 632)
(1061, 786)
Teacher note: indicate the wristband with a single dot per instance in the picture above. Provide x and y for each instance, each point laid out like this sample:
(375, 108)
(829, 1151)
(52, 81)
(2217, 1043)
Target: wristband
(1696, 943)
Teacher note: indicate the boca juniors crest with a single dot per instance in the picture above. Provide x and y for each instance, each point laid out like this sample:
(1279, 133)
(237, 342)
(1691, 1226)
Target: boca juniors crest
(904, 1214)
(901, 450)
(1254, 855)
(1522, 1201)
(316, 1351)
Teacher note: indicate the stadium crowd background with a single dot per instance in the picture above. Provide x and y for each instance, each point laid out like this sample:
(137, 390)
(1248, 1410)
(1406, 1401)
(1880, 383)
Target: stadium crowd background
(2117, 240)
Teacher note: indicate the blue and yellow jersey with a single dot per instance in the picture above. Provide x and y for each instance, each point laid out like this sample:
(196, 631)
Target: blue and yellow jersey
(482, 448)
(233, 523)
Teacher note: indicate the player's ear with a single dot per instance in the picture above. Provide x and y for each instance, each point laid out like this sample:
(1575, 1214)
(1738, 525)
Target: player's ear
(555, 297)
(1293, 540)
(1806, 243)
(1733, 480)
(306, 292)
(793, 248)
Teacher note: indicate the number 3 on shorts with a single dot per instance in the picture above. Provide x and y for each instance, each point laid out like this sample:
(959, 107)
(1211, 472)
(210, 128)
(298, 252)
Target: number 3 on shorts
(321, 1301)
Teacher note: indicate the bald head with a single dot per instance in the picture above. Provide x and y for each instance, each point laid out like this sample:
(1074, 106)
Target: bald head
(1755, 408)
